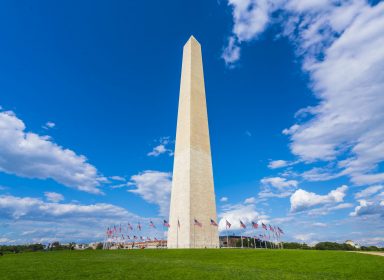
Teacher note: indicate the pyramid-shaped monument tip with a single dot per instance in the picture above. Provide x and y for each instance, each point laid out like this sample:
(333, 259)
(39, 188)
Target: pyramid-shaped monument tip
(192, 38)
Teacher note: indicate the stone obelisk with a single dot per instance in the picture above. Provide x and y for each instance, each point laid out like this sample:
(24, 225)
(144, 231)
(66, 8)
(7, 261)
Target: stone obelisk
(193, 198)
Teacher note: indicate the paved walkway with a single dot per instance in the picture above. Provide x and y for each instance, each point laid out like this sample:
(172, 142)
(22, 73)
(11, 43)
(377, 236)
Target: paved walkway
(371, 253)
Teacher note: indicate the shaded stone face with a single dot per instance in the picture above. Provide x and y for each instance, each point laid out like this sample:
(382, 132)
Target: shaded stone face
(193, 194)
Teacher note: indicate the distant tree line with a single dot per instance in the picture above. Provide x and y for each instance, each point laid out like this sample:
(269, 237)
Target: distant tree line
(54, 246)
(329, 246)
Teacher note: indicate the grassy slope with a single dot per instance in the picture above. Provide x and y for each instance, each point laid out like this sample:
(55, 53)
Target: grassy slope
(192, 264)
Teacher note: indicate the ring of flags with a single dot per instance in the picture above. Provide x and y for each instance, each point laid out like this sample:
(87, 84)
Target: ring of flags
(116, 232)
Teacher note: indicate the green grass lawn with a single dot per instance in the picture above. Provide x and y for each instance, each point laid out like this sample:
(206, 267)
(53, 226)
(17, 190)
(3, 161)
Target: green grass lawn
(191, 264)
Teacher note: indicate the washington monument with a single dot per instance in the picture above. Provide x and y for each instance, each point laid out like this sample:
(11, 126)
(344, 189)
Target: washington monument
(193, 209)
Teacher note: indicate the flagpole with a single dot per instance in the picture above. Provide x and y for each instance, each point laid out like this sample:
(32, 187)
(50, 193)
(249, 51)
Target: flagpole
(194, 233)
(226, 229)
(211, 236)
(177, 233)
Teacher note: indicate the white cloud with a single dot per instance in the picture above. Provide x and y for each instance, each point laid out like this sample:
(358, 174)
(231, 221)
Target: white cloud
(161, 148)
(279, 182)
(4, 240)
(304, 237)
(368, 191)
(154, 187)
(320, 174)
(302, 200)
(224, 199)
(340, 43)
(32, 220)
(53, 196)
(250, 200)
(276, 187)
(327, 208)
(117, 178)
(273, 164)
(49, 125)
(368, 208)
(28, 208)
(231, 52)
(30, 155)
(235, 213)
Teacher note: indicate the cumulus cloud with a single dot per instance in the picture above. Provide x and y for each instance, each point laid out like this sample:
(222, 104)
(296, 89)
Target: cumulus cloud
(368, 208)
(29, 208)
(161, 148)
(302, 200)
(30, 155)
(276, 187)
(34, 220)
(154, 187)
(53, 196)
(244, 212)
(340, 44)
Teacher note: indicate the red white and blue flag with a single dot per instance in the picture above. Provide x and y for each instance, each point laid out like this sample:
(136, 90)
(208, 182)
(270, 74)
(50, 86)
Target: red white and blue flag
(271, 228)
(280, 230)
(151, 224)
(197, 223)
(242, 224)
(255, 225)
(227, 224)
(166, 224)
(138, 226)
(213, 223)
(264, 226)
(130, 227)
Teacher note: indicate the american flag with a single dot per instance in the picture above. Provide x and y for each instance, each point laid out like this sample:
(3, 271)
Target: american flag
(149, 239)
(264, 226)
(213, 223)
(151, 224)
(128, 237)
(280, 230)
(228, 224)
(242, 224)
(134, 237)
(156, 239)
(138, 226)
(141, 238)
(197, 223)
(271, 228)
(166, 224)
(255, 225)
(130, 227)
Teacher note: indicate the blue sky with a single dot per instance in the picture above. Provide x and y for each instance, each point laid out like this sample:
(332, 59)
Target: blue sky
(89, 94)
